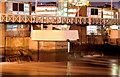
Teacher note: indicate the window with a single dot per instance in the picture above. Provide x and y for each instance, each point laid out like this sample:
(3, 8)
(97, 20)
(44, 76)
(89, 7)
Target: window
(15, 6)
(13, 30)
(33, 8)
(93, 30)
(94, 11)
(21, 7)
(18, 8)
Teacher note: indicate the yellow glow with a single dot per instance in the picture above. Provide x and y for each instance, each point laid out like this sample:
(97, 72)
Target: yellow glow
(82, 3)
(75, 0)
(69, 0)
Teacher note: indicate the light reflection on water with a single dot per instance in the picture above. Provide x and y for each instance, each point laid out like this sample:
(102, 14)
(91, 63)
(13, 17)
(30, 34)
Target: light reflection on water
(119, 71)
(68, 68)
(114, 69)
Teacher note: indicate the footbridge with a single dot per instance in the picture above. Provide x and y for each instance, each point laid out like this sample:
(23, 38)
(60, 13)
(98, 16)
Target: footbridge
(57, 20)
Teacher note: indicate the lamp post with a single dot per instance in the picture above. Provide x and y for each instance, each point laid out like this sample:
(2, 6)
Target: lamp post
(111, 12)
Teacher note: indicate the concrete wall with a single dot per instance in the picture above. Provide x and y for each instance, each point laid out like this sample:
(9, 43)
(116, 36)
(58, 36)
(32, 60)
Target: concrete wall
(16, 43)
(48, 51)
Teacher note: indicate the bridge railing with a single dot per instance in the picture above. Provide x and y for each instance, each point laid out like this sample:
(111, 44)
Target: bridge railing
(12, 18)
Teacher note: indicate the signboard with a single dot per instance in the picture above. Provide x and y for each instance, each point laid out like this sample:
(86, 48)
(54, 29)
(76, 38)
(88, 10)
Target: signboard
(54, 35)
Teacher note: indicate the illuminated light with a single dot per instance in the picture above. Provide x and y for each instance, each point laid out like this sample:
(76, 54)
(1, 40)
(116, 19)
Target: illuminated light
(114, 64)
(116, 12)
(65, 25)
(75, 0)
(65, 9)
(65, 5)
(92, 29)
(107, 29)
(103, 10)
(107, 12)
(14, 29)
(114, 27)
(26, 5)
(72, 10)
(106, 16)
(65, 14)
(10, 9)
(33, 13)
(114, 69)
(71, 15)
(45, 8)
(69, 0)
(46, 12)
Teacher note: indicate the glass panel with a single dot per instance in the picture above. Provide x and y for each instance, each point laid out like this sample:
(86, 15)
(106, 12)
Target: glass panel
(14, 26)
(27, 13)
(9, 26)
(15, 6)
(26, 5)
(21, 26)
(21, 13)
(92, 11)
(26, 9)
(33, 8)
(21, 7)
(8, 29)
(96, 11)
(15, 12)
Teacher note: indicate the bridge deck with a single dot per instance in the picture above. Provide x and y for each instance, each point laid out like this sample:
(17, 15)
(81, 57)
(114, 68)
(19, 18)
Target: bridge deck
(38, 19)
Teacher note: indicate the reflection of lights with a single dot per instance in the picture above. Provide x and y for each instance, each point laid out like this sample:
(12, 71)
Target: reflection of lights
(114, 69)
(68, 68)
(113, 61)
(119, 71)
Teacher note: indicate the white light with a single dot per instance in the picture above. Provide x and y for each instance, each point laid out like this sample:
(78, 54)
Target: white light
(46, 12)
(114, 27)
(107, 12)
(69, 0)
(72, 10)
(45, 8)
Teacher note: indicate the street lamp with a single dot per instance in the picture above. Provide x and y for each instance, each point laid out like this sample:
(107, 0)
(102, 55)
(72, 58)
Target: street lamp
(111, 12)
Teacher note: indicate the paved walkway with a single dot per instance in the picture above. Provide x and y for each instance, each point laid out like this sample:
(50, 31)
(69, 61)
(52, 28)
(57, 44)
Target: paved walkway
(75, 67)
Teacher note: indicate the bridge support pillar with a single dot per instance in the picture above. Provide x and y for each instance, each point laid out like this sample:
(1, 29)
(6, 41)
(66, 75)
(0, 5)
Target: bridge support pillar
(2, 29)
(2, 38)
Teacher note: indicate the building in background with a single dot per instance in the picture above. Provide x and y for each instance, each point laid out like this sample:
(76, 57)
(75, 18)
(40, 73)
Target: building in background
(21, 8)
